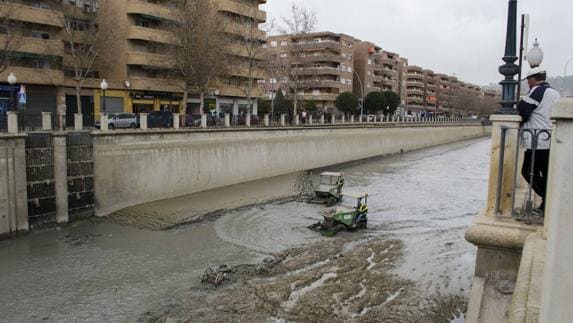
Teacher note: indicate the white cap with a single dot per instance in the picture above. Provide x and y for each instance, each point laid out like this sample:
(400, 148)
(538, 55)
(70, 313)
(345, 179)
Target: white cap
(534, 72)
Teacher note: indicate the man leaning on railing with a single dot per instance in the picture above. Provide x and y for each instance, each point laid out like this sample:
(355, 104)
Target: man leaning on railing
(535, 110)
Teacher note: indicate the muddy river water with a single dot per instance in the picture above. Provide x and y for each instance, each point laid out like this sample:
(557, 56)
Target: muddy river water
(419, 207)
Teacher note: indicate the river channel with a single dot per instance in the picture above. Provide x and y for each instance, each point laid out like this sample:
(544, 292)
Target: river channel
(100, 271)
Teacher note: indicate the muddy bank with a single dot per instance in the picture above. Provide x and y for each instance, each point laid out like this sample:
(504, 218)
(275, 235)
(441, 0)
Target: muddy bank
(170, 213)
(335, 280)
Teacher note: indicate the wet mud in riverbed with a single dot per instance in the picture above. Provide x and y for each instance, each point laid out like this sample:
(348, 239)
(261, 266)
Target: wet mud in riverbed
(421, 204)
(338, 280)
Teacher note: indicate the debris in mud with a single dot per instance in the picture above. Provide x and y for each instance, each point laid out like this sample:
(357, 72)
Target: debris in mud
(337, 280)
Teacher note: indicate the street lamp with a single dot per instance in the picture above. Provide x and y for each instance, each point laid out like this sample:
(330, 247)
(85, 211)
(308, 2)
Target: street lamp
(565, 69)
(361, 89)
(509, 69)
(12, 79)
(535, 55)
(103, 85)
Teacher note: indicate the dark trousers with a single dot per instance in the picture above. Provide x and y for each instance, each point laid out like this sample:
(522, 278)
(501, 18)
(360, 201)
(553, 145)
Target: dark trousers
(540, 170)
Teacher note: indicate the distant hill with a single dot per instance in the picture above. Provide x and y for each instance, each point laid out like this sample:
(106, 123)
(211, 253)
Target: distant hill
(565, 85)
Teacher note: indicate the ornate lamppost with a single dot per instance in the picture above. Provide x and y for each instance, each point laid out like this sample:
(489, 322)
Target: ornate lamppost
(509, 69)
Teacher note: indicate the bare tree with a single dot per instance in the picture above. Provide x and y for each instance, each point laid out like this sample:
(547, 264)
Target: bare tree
(9, 40)
(84, 38)
(294, 67)
(252, 56)
(300, 21)
(199, 54)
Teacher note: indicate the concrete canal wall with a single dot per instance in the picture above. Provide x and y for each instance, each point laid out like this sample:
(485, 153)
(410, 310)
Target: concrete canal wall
(134, 167)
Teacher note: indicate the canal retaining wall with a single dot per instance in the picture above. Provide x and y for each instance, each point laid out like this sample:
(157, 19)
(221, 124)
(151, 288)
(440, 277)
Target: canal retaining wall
(134, 167)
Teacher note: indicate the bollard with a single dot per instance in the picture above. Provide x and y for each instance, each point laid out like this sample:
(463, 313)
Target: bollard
(104, 123)
(333, 119)
(310, 119)
(143, 121)
(227, 120)
(296, 120)
(12, 121)
(266, 120)
(204, 121)
(248, 120)
(176, 121)
(322, 119)
(46, 121)
(283, 120)
(352, 119)
(78, 121)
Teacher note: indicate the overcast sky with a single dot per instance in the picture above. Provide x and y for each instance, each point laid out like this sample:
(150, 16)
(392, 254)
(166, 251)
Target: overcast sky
(461, 37)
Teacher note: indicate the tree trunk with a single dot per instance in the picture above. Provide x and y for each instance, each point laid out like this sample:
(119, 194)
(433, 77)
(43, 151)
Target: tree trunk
(185, 98)
(202, 103)
(295, 105)
(78, 97)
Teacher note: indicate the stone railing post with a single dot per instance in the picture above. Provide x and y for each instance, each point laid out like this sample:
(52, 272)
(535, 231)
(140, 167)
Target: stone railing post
(343, 119)
(12, 121)
(352, 119)
(310, 121)
(176, 121)
(204, 121)
(78, 121)
(283, 120)
(557, 298)
(227, 120)
(322, 119)
(266, 120)
(61, 176)
(248, 120)
(332, 119)
(142, 121)
(296, 120)
(13, 188)
(46, 121)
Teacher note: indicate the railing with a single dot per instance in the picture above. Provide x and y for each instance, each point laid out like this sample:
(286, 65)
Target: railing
(533, 145)
(176, 121)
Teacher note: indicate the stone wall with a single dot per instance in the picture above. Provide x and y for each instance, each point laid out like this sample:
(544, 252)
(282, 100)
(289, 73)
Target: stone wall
(13, 203)
(133, 167)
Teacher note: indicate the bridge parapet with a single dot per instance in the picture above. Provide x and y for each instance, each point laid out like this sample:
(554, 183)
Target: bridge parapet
(519, 261)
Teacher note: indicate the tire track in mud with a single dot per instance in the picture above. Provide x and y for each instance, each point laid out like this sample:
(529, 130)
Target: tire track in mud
(338, 280)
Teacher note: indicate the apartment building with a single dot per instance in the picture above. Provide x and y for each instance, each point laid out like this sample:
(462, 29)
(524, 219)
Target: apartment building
(139, 75)
(319, 66)
(377, 69)
(415, 88)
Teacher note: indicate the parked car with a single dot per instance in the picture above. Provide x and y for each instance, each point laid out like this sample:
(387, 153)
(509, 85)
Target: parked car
(120, 120)
(159, 119)
(242, 120)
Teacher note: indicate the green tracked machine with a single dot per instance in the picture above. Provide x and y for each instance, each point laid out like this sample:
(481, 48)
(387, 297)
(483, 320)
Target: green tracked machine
(329, 191)
(344, 218)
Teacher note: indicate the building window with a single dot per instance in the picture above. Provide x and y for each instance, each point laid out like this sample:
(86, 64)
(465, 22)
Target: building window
(40, 34)
(284, 43)
(274, 43)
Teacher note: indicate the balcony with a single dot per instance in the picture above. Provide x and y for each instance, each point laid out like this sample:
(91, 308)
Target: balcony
(35, 45)
(28, 75)
(149, 59)
(320, 71)
(31, 14)
(320, 58)
(415, 76)
(242, 9)
(151, 35)
(236, 28)
(329, 97)
(140, 7)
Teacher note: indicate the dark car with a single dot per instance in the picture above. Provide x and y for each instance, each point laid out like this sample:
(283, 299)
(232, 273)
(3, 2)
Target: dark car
(242, 120)
(159, 119)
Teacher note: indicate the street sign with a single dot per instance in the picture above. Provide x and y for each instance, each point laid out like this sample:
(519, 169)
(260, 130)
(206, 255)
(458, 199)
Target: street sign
(22, 98)
(22, 95)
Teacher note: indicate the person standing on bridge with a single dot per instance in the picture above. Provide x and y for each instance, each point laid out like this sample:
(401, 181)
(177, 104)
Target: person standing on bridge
(535, 110)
